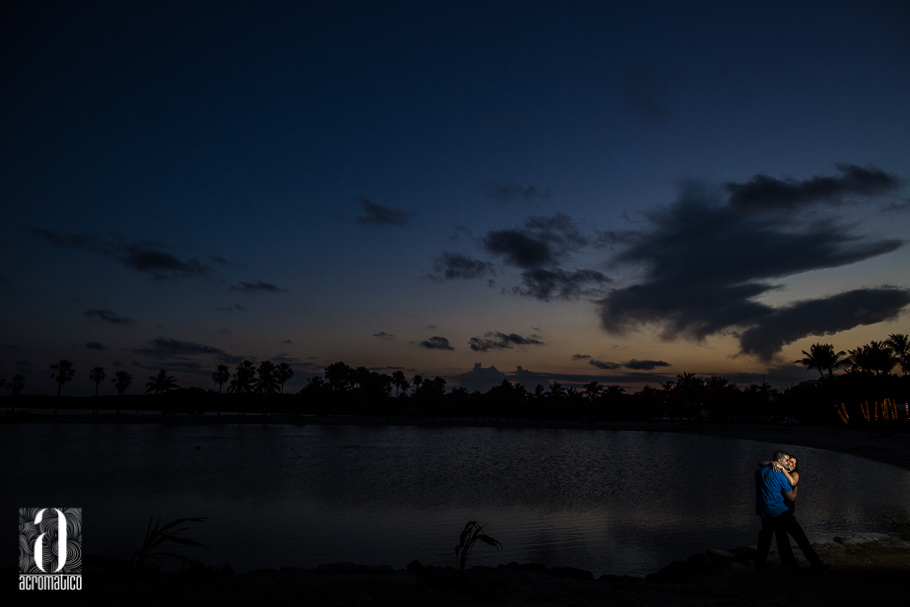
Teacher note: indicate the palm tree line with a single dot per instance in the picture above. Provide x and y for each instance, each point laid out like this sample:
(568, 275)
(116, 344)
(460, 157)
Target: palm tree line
(876, 357)
(343, 390)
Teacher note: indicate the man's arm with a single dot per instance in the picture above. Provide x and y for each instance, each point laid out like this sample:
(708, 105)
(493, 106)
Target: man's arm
(790, 495)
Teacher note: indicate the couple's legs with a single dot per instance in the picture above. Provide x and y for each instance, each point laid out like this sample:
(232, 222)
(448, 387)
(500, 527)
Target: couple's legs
(792, 526)
(779, 527)
(776, 526)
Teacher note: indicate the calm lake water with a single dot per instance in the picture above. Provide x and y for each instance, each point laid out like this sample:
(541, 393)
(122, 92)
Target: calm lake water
(619, 502)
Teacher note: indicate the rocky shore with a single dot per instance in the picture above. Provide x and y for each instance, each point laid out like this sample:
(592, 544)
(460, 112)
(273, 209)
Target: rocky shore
(864, 569)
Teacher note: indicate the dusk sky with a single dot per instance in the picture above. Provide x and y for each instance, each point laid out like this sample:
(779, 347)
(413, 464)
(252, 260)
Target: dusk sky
(532, 191)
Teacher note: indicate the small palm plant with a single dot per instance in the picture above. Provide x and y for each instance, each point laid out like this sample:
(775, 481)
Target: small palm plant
(154, 537)
(472, 532)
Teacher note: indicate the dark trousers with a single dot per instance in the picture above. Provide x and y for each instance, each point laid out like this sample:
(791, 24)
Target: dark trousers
(779, 527)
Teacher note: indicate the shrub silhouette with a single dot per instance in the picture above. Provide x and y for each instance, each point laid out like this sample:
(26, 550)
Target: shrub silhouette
(472, 532)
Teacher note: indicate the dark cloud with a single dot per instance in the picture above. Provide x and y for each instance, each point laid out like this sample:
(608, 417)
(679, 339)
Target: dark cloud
(509, 192)
(175, 365)
(768, 193)
(559, 284)
(645, 365)
(646, 90)
(167, 349)
(580, 356)
(160, 265)
(496, 340)
(143, 256)
(258, 287)
(704, 266)
(94, 345)
(518, 249)
(543, 241)
(452, 266)
(632, 365)
(383, 335)
(606, 366)
(822, 317)
(436, 343)
(378, 215)
(111, 317)
(559, 231)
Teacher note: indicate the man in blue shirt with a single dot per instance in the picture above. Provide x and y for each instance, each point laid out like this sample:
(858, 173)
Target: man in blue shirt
(771, 491)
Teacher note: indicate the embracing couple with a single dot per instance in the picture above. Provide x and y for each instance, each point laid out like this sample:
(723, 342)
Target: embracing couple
(775, 501)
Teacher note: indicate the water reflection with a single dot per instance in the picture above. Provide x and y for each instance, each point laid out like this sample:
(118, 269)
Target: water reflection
(611, 502)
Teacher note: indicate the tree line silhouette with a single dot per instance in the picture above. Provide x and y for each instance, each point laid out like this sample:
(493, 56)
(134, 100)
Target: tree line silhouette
(343, 390)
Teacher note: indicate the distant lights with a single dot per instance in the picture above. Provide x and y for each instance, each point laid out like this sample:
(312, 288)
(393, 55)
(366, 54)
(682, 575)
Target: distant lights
(884, 411)
(842, 412)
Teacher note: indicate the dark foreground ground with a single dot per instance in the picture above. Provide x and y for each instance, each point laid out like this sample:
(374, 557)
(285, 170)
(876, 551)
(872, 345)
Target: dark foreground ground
(864, 571)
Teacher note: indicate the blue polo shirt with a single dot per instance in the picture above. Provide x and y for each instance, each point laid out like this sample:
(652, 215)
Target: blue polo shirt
(770, 486)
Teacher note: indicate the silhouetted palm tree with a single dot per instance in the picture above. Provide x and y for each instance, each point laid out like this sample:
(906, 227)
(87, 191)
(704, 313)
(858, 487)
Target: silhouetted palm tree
(874, 357)
(284, 373)
(267, 382)
(881, 357)
(686, 394)
(242, 381)
(62, 372)
(400, 381)
(899, 344)
(593, 390)
(338, 376)
(162, 382)
(96, 375)
(823, 358)
(556, 390)
(221, 376)
(122, 380)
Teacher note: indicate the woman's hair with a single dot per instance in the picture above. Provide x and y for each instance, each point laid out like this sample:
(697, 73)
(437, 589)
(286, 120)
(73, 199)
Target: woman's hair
(795, 461)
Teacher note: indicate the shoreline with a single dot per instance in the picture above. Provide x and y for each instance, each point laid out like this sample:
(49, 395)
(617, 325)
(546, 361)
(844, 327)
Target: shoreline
(870, 568)
(890, 447)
